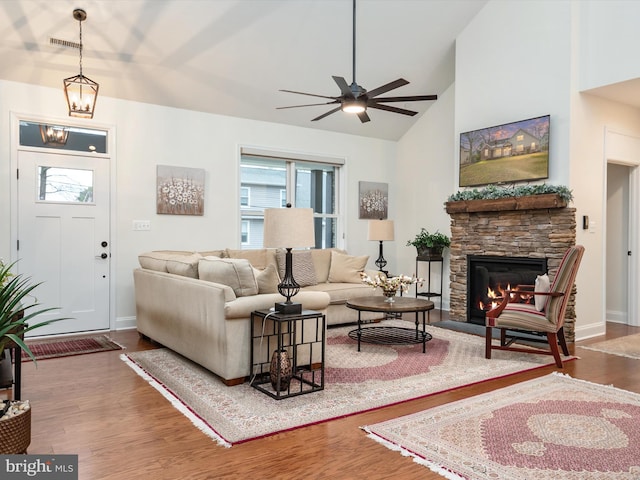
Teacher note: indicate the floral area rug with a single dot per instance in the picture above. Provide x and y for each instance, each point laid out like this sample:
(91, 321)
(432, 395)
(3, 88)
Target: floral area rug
(550, 428)
(65, 347)
(628, 346)
(377, 376)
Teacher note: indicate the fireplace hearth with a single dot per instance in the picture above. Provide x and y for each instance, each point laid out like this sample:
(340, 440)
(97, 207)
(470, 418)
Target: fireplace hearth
(489, 276)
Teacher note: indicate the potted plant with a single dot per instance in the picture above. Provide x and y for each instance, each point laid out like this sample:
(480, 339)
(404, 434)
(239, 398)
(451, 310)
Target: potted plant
(16, 310)
(429, 244)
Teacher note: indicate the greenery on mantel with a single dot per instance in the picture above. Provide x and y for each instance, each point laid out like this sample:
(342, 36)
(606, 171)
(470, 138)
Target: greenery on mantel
(492, 192)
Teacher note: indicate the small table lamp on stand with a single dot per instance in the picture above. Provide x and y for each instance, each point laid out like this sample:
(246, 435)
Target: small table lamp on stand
(288, 228)
(381, 230)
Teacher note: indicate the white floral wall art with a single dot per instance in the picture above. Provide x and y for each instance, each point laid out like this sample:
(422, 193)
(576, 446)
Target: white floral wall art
(180, 190)
(374, 200)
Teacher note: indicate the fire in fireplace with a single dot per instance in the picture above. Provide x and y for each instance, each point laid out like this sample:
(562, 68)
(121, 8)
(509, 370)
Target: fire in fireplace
(488, 277)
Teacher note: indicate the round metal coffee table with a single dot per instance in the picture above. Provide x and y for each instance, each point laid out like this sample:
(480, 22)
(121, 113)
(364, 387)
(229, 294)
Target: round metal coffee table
(391, 335)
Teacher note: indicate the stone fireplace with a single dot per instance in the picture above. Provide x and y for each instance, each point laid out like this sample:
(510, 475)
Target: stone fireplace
(538, 227)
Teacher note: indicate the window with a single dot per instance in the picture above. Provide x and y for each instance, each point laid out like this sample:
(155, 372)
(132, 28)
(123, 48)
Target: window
(520, 138)
(64, 185)
(305, 182)
(62, 137)
(244, 232)
(244, 196)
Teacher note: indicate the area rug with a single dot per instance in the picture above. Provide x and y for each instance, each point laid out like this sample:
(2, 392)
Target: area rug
(377, 376)
(65, 347)
(550, 428)
(628, 346)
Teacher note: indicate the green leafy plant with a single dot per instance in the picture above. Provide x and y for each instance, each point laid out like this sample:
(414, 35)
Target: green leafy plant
(492, 192)
(424, 239)
(15, 309)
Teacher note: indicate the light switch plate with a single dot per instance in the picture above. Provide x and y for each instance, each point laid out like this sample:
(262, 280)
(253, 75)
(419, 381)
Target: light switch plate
(141, 225)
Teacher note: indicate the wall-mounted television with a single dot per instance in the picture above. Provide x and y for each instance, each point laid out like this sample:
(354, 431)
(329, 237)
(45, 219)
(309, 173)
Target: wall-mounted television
(513, 152)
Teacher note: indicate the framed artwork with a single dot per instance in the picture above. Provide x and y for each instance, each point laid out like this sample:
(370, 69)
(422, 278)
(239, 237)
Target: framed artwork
(373, 200)
(180, 190)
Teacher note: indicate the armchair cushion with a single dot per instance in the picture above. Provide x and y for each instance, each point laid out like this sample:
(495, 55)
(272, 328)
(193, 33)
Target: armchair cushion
(542, 285)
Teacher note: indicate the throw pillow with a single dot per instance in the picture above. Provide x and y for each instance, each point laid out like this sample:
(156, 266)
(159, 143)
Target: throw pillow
(542, 285)
(304, 272)
(257, 258)
(236, 273)
(346, 268)
(185, 265)
(267, 279)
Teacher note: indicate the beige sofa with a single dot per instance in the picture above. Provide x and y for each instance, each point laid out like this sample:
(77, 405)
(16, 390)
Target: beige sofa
(199, 304)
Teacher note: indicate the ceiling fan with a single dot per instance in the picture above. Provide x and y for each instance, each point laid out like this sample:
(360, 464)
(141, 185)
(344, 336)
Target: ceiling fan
(355, 99)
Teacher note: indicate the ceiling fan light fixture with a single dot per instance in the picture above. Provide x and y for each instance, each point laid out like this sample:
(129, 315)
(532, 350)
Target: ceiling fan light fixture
(81, 92)
(354, 106)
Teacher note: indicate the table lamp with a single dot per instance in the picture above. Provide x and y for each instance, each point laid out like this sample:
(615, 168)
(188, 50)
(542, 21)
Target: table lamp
(381, 230)
(288, 228)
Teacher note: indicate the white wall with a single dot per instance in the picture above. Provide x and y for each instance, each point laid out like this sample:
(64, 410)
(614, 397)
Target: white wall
(148, 135)
(424, 181)
(609, 35)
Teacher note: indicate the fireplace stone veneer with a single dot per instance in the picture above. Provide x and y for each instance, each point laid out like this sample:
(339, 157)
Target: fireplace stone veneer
(536, 233)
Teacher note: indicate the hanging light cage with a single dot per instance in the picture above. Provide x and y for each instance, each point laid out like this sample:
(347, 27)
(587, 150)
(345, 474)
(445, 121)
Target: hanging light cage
(81, 92)
(54, 135)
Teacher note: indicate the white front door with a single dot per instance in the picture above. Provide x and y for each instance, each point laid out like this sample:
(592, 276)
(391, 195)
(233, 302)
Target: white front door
(63, 237)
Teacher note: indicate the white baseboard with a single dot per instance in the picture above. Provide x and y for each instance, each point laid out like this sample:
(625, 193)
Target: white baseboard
(617, 316)
(125, 323)
(582, 333)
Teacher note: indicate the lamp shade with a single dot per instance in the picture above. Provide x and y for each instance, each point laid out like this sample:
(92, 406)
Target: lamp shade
(380, 230)
(288, 228)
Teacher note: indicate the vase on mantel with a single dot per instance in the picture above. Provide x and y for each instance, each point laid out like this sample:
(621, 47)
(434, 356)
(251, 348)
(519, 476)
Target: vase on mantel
(281, 361)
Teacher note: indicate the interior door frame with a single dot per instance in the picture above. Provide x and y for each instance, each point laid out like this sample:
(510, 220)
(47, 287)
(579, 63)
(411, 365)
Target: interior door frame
(624, 149)
(110, 156)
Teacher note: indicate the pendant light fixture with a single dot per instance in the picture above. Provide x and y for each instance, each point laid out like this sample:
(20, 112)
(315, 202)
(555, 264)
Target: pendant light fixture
(81, 92)
(54, 135)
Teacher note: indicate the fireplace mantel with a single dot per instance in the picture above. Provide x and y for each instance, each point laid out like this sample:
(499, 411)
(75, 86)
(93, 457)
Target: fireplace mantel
(529, 202)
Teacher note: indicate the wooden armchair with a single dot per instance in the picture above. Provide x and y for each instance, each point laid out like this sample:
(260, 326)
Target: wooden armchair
(525, 317)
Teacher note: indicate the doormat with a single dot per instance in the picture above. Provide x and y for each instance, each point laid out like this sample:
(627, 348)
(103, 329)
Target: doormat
(627, 346)
(355, 382)
(550, 428)
(65, 347)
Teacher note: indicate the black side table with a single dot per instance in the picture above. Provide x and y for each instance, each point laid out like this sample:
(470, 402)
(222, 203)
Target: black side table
(302, 336)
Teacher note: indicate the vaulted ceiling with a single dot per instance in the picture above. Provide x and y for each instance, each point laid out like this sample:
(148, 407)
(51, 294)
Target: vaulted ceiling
(232, 57)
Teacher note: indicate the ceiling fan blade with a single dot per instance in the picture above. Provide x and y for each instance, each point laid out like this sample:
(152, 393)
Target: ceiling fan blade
(343, 85)
(309, 94)
(385, 88)
(337, 109)
(389, 108)
(411, 98)
(307, 105)
(364, 118)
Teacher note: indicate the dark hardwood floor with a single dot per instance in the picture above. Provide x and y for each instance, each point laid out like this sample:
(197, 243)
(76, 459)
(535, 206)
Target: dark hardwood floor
(121, 428)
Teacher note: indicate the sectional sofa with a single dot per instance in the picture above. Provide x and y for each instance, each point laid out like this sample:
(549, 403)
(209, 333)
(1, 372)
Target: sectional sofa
(199, 304)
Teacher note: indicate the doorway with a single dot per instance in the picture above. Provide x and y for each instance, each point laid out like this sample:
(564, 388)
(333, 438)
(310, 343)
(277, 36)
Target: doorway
(61, 220)
(617, 241)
